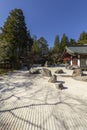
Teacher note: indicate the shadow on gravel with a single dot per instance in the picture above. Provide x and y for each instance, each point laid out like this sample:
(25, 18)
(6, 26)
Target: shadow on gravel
(10, 97)
(62, 82)
(79, 104)
(62, 101)
(75, 104)
(27, 121)
(52, 114)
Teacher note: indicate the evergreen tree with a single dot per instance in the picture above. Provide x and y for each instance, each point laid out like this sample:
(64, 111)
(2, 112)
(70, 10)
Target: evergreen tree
(83, 38)
(72, 42)
(55, 50)
(43, 46)
(15, 33)
(4, 51)
(64, 42)
(56, 44)
(40, 50)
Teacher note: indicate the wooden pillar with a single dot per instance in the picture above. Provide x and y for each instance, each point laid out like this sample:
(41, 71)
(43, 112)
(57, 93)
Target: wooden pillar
(79, 60)
(71, 61)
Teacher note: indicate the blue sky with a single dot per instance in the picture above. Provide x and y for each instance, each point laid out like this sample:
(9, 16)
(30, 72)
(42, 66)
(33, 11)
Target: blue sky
(49, 18)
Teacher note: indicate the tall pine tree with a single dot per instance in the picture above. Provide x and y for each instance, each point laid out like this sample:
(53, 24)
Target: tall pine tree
(40, 50)
(15, 33)
(56, 44)
(83, 38)
(64, 42)
(55, 50)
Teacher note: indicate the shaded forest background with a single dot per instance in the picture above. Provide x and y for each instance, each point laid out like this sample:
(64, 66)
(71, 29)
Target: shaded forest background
(18, 48)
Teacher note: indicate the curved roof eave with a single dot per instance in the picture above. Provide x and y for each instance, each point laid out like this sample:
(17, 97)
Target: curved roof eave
(70, 51)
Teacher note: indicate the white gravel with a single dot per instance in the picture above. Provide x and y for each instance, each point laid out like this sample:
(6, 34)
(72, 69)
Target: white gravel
(32, 103)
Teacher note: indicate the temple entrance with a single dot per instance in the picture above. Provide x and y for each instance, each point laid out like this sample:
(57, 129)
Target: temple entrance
(75, 61)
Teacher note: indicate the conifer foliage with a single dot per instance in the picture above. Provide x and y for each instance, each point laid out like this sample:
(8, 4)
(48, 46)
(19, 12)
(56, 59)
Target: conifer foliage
(16, 35)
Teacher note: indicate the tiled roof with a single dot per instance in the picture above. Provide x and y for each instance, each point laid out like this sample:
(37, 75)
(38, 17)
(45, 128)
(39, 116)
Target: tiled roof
(77, 49)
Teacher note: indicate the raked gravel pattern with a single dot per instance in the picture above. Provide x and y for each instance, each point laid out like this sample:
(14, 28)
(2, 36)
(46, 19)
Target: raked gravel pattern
(28, 103)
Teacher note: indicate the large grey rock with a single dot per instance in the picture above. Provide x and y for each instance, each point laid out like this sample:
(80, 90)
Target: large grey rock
(53, 79)
(77, 72)
(59, 71)
(34, 71)
(79, 75)
(46, 72)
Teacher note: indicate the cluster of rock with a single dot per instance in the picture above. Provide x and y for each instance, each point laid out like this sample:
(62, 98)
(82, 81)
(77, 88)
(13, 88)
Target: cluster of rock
(46, 72)
(53, 78)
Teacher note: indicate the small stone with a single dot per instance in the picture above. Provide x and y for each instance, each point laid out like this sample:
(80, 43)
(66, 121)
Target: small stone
(60, 86)
(59, 71)
(46, 64)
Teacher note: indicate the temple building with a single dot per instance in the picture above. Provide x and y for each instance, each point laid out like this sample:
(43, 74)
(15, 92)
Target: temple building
(78, 55)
